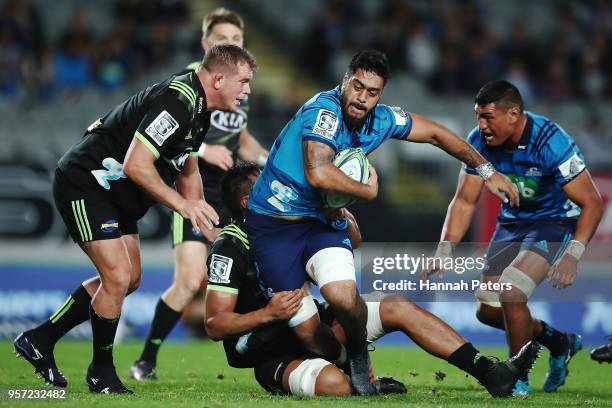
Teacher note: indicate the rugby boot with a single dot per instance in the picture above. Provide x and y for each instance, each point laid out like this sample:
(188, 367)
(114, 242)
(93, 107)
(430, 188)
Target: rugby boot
(104, 380)
(142, 371)
(362, 378)
(502, 376)
(603, 354)
(40, 357)
(558, 366)
(389, 385)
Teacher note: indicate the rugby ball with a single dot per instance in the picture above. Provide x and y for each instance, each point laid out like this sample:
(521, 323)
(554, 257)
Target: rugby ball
(353, 163)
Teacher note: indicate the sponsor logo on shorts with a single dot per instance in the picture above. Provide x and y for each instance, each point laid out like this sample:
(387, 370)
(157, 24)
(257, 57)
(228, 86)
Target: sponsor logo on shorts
(326, 125)
(220, 268)
(347, 242)
(162, 127)
(109, 226)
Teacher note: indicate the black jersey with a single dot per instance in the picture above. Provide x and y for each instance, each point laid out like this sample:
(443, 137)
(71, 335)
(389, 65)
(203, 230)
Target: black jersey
(170, 118)
(230, 270)
(225, 128)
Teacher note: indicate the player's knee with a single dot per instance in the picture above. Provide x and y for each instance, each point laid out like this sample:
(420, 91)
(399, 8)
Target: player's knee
(332, 382)
(518, 286)
(331, 265)
(304, 378)
(396, 306)
(342, 296)
(134, 283)
(117, 281)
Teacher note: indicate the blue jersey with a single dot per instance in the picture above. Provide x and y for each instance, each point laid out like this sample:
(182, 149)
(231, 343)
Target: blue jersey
(282, 188)
(545, 159)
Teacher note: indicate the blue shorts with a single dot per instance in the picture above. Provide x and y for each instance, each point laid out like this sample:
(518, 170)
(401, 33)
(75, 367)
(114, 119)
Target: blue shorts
(280, 248)
(547, 238)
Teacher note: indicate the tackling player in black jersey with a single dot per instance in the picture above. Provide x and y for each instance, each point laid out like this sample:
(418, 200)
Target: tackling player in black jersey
(142, 151)
(255, 332)
(227, 140)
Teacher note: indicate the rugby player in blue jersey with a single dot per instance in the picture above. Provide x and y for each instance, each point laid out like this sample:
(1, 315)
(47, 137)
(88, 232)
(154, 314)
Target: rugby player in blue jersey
(544, 236)
(292, 239)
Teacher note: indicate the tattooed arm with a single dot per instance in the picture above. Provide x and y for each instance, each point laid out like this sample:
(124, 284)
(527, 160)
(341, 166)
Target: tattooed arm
(323, 175)
(427, 131)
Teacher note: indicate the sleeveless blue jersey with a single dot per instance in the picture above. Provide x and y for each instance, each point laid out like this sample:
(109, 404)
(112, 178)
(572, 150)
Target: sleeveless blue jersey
(545, 159)
(282, 188)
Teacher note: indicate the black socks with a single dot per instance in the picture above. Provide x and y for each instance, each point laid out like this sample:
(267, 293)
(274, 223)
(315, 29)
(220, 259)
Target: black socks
(163, 322)
(72, 313)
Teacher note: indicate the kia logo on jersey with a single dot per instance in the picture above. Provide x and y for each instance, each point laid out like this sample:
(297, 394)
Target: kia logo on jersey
(228, 121)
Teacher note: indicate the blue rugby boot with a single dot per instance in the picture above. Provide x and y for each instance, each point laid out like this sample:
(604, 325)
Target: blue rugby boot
(558, 366)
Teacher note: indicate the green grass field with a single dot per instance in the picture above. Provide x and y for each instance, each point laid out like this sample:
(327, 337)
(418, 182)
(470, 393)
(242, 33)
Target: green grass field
(195, 374)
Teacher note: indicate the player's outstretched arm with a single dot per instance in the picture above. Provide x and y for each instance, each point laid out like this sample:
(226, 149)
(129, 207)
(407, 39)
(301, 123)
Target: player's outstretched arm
(189, 186)
(461, 208)
(427, 131)
(583, 192)
(221, 322)
(250, 150)
(139, 166)
(458, 219)
(321, 173)
(189, 182)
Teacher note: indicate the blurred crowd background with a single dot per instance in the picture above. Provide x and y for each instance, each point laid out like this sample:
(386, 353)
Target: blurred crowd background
(64, 64)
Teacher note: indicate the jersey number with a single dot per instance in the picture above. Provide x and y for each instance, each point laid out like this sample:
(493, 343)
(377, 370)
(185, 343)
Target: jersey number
(114, 171)
(282, 196)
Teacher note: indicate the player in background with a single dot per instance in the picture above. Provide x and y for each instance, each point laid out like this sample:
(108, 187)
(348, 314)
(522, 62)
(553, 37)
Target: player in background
(286, 213)
(226, 140)
(543, 237)
(254, 333)
(127, 160)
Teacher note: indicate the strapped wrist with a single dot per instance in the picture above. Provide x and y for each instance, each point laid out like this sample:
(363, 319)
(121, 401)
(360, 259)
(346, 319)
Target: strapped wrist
(485, 170)
(575, 248)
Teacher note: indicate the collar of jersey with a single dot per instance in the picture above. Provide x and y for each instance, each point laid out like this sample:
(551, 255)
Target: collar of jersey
(198, 87)
(526, 131)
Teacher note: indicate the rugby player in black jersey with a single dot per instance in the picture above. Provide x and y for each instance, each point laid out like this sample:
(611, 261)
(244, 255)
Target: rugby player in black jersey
(255, 332)
(227, 139)
(142, 151)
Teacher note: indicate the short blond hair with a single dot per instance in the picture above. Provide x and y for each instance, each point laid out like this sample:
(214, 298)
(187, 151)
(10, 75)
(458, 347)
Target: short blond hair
(219, 16)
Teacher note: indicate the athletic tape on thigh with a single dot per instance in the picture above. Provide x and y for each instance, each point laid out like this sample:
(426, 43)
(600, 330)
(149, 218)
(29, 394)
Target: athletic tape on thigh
(374, 327)
(331, 265)
(303, 378)
(487, 297)
(307, 310)
(518, 279)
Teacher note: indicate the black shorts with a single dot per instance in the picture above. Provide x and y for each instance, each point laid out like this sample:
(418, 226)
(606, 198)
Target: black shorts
(88, 213)
(269, 374)
(182, 229)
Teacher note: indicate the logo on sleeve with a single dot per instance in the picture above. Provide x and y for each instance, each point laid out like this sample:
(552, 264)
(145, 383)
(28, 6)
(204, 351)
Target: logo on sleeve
(220, 268)
(400, 116)
(162, 127)
(571, 167)
(327, 123)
